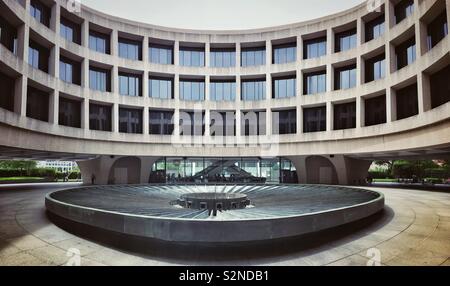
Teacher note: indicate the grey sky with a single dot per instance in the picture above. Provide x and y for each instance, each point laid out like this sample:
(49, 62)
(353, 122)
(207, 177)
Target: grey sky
(220, 14)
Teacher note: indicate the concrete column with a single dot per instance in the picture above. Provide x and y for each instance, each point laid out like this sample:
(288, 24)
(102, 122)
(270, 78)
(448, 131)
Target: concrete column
(85, 33)
(207, 88)
(360, 31)
(176, 53)
(421, 38)
(360, 72)
(85, 114)
(55, 18)
(207, 54)
(341, 168)
(146, 168)
(99, 167)
(53, 61)
(145, 84)
(299, 119)
(300, 166)
(114, 43)
(330, 41)
(424, 92)
(238, 55)
(390, 14)
(176, 115)
(360, 120)
(268, 52)
(53, 111)
(391, 59)
(20, 96)
(330, 118)
(391, 105)
(146, 120)
(329, 78)
(85, 73)
(145, 49)
(207, 123)
(115, 118)
(115, 80)
(23, 35)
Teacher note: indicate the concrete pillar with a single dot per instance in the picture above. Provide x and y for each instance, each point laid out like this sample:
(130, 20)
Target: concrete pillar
(114, 43)
(85, 33)
(300, 166)
(85, 73)
(176, 115)
(20, 95)
(330, 41)
(100, 167)
(357, 170)
(145, 84)
(115, 79)
(360, 72)
(360, 31)
(23, 35)
(421, 38)
(146, 168)
(145, 50)
(53, 61)
(269, 123)
(53, 109)
(176, 53)
(330, 118)
(299, 119)
(391, 59)
(268, 52)
(115, 118)
(360, 113)
(424, 92)
(390, 14)
(85, 114)
(207, 54)
(339, 164)
(146, 120)
(55, 18)
(391, 105)
(238, 55)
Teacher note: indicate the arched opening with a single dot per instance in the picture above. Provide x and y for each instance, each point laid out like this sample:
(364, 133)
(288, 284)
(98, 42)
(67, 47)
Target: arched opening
(320, 170)
(125, 170)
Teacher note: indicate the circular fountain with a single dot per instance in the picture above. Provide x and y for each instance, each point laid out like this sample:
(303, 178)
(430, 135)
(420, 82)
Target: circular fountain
(214, 214)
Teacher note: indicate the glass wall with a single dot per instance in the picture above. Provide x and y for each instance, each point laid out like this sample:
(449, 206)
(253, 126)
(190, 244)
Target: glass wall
(129, 84)
(314, 119)
(344, 116)
(161, 88)
(285, 53)
(223, 90)
(161, 54)
(38, 56)
(130, 120)
(175, 170)
(284, 87)
(69, 71)
(253, 56)
(223, 58)
(161, 122)
(406, 53)
(437, 30)
(345, 77)
(376, 68)
(192, 90)
(375, 110)
(315, 83)
(315, 48)
(99, 117)
(129, 49)
(8, 36)
(253, 90)
(192, 57)
(407, 101)
(8, 86)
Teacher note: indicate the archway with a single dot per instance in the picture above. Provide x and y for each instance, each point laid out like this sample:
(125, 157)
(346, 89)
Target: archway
(320, 170)
(126, 170)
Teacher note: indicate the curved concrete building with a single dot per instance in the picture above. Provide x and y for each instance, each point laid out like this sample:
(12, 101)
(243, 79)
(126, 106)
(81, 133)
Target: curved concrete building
(313, 102)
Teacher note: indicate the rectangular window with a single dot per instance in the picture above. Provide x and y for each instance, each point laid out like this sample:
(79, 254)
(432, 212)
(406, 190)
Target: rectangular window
(161, 54)
(129, 49)
(161, 88)
(253, 123)
(70, 31)
(315, 83)
(129, 84)
(344, 116)
(284, 87)
(40, 12)
(315, 48)
(161, 122)
(7, 96)
(345, 77)
(253, 56)
(223, 90)
(192, 123)
(437, 30)
(314, 119)
(130, 121)
(192, 90)
(99, 79)
(253, 90)
(99, 42)
(69, 112)
(440, 87)
(192, 57)
(100, 117)
(37, 104)
(403, 10)
(375, 110)
(406, 53)
(223, 58)
(287, 122)
(345, 41)
(375, 68)
(286, 53)
(69, 71)
(38, 56)
(375, 28)
(222, 123)
(407, 102)
(8, 36)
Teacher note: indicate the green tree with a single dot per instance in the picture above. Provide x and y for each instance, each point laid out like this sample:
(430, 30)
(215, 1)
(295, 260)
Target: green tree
(22, 165)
